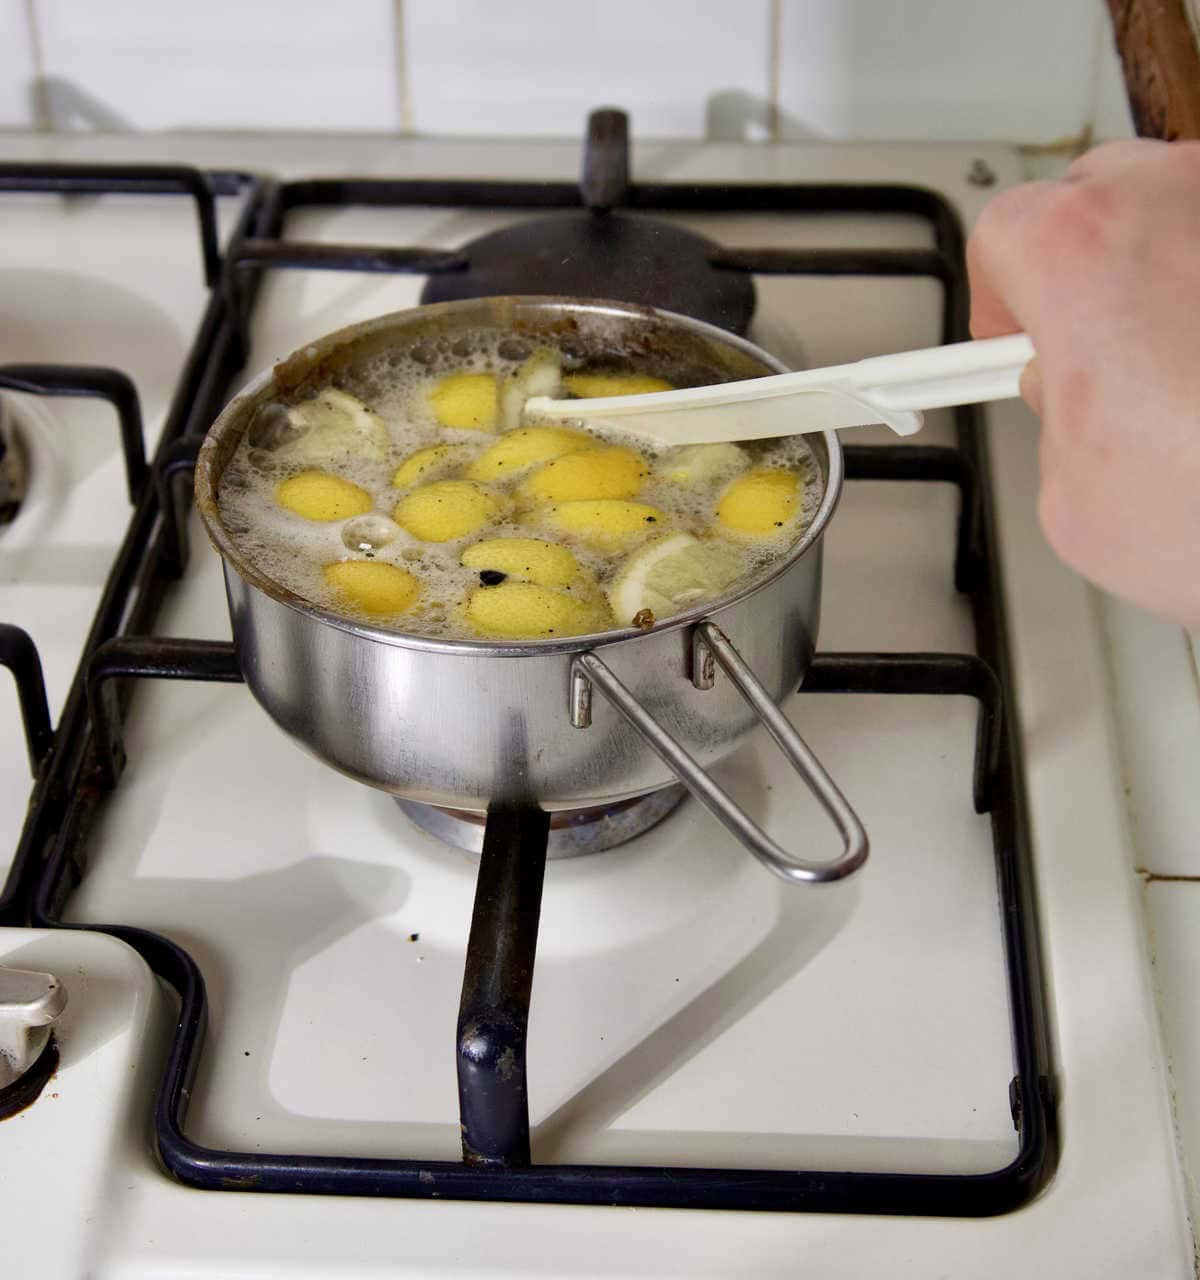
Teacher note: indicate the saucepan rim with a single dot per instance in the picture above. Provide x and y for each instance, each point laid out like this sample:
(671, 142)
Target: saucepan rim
(237, 414)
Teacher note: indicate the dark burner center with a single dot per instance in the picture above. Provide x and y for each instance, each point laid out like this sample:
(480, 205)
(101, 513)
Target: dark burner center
(597, 253)
(622, 256)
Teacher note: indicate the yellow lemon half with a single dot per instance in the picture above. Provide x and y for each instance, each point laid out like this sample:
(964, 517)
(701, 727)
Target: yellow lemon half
(525, 447)
(526, 611)
(467, 401)
(608, 524)
(445, 510)
(425, 464)
(592, 386)
(672, 574)
(524, 560)
(317, 495)
(694, 464)
(372, 586)
(613, 472)
(333, 423)
(761, 503)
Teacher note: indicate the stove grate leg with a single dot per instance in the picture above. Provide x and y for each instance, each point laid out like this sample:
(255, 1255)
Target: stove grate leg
(493, 1015)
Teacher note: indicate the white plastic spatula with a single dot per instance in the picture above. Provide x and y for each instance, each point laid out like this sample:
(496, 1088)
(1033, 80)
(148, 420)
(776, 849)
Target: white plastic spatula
(891, 389)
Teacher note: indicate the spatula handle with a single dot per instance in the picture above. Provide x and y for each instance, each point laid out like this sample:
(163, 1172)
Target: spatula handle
(892, 389)
(963, 373)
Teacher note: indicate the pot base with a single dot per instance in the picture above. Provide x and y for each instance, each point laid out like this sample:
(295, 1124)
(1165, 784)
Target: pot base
(573, 832)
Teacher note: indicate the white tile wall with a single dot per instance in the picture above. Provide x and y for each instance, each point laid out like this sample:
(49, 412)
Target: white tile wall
(16, 66)
(163, 64)
(536, 67)
(1019, 69)
(1111, 117)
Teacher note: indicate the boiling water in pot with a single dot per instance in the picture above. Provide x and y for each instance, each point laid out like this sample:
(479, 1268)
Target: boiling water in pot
(411, 495)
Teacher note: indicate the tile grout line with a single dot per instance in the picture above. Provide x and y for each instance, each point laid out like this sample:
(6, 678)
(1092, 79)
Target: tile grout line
(1101, 26)
(400, 57)
(775, 30)
(1153, 877)
(40, 100)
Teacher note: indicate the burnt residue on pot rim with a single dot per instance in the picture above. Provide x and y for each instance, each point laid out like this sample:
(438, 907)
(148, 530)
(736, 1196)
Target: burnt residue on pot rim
(618, 331)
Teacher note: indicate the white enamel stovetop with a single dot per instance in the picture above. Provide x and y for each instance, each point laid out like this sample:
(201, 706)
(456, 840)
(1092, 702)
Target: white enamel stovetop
(687, 1008)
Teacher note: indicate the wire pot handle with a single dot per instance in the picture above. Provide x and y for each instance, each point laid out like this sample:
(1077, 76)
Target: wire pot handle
(710, 645)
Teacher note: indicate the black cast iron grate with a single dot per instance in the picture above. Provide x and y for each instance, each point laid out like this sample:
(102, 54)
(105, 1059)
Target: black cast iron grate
(87, 748)
(213, 359)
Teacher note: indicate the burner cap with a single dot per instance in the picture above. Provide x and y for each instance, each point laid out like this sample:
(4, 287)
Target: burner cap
(572, 831)
(621, 256)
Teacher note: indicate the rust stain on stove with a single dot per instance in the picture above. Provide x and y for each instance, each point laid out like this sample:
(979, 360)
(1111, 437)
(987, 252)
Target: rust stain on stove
(247, 1182)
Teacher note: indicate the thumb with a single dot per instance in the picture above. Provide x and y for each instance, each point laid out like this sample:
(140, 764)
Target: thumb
(1031, 386)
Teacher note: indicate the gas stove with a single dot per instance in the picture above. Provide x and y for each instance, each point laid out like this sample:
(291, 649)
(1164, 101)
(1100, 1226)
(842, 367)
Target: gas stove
(948, 1061)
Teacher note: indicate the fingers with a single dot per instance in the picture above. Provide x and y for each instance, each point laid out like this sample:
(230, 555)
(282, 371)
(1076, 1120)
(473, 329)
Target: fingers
(996, 253)
(1102, 270)
(991, 316)
(1033, 241)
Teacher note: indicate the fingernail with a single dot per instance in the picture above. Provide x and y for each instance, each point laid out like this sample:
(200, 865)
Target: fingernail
(1031, 386)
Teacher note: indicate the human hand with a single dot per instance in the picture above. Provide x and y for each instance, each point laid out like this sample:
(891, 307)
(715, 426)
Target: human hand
(1102, 270)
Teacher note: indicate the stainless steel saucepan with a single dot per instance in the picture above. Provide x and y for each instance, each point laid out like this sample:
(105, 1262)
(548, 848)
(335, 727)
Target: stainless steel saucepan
(562, 724)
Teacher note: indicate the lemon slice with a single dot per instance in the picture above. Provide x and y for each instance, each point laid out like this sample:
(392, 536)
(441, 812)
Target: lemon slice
(597, 385)
(760, 503)
(521, 449)
(317, 495)
(547, 564)
(607, 524)
(373, 586)
(466, 401)
(333, 424)
(445, 510)
(611, 472)
(670, 575)
(540, 375)
(694, 464)
(526, 611)
(426, 464)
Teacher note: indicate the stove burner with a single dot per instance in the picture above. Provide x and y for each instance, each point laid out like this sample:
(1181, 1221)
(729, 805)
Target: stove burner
(625, 257)
(600, 254)
(573, 832)
(64, 818)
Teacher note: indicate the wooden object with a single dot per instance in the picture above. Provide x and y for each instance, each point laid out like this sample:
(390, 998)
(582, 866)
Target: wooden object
(1161, 62)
